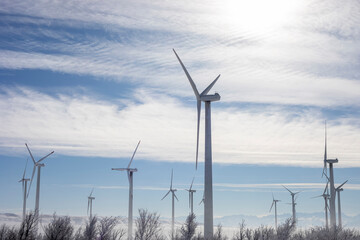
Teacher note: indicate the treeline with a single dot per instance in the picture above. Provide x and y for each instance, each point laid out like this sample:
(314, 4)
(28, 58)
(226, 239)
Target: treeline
(148, 227)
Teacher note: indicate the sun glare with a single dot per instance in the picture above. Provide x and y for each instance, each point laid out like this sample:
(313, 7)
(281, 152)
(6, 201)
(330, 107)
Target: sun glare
(260, 15)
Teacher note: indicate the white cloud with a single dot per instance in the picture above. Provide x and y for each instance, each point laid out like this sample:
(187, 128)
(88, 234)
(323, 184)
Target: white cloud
(310, 58)
(86, 126)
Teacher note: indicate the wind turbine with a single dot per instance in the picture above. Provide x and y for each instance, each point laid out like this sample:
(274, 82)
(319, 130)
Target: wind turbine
(332, 186)
(172, 190)
(204, 97)
(24, 189)
(274, 202)
(338, 190)
(90, 199)
(203, 199)
(130, 172)
(191, 195)
(37, 164)
(326, 196)
(292, 203)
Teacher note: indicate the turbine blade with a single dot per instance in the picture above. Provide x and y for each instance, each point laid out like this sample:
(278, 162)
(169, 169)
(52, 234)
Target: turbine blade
(134, 153)
(189, 200)
(189, 77)
(32, 177)
(210, 86)
(88, 206)
(175, 196)
(120, 169)
(192, 183)
(23, 186)
(128, 174)
(271, 205)
(91, 192)
(172, 171)
(287, 189)
(198, 131)
(25, 167)
(341, 185)
(30, 153)
(325, 153)
(166, 194)
(45, 156)
(326, 187)
(318, 196)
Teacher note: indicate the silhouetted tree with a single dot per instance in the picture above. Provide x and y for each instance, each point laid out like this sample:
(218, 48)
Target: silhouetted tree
(90, 232)
(107, 230)
(147, 226)
(219, 235)
(27, 230)
(187, 231)
(59, 228)
(241, 234)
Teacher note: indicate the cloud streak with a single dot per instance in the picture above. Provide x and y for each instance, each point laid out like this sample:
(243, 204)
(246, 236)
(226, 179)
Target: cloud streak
(86, 126)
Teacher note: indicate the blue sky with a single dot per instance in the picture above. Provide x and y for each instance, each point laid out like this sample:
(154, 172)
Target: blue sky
(90, 79)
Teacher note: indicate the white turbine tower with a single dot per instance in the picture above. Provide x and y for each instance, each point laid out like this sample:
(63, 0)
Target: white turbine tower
(130, 172)
(191, 197)
(24, 189)
(332, 186)
(37, 164)
(326, 196)
(293, 203)
(204, 97)
(274, 203)
(172, 190)
(338, 190)
(90, 199)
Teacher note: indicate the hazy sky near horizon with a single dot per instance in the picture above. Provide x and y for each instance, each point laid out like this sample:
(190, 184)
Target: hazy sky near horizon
(89, 79)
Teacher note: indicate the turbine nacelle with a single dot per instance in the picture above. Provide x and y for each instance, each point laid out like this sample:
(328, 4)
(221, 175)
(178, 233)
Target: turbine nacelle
(210, 98)
(332, 160)
(125, 169)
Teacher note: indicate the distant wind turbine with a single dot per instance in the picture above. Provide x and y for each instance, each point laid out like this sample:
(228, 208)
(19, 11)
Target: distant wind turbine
(204, 97)
(338, 190)
(130, 172)
(172, 190)
(326, 196)
(203, 199)
(191, 195)
(332, 186)
(274, 202)
(293, 203)
(24, 189)
(38, 165)
(90, 199)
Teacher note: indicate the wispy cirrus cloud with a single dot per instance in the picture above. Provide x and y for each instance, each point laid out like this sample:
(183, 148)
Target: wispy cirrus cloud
(86, 126)
(300, 60)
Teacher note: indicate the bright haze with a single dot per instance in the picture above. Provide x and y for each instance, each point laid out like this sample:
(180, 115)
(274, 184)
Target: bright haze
(89, 79)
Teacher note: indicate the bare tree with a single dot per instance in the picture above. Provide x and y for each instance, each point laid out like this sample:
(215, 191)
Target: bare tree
(241, 234)
(27, 230)
(59, 228)
(90, 231)
(107, 230)
(285, 230)
(147, 226)
(219, 235)
(187, 231)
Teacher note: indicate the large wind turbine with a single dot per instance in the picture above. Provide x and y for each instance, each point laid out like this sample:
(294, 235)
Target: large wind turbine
(326, 196)
(204, 97)
(24, 189)
(90, 199)
(332, 186)
(191, 195)
(338, 190)
(293, 203)
(37, 164)
(130, 172)
(172, 190)
(274, 202)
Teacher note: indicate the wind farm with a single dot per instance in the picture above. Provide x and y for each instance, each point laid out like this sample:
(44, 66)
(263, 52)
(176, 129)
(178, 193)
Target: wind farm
(82, 82)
